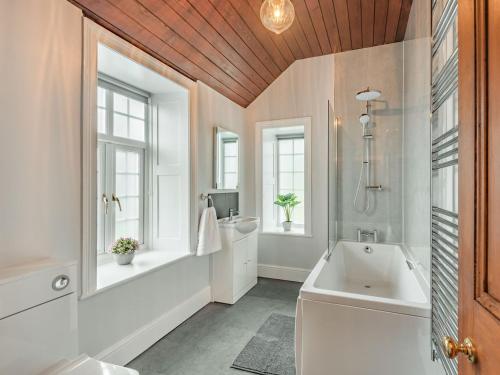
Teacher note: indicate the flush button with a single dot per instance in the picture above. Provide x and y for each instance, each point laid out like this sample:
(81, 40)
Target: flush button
(60, 282)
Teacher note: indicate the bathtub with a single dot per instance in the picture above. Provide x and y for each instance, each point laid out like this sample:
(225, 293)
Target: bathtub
(363, 311)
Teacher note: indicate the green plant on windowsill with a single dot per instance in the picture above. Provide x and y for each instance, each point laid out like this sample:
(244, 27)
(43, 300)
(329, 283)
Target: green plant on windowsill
(123, 250)
(287, 202)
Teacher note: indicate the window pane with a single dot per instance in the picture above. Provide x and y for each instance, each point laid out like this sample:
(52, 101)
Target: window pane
(137, 108)
(121, 185)
(127, 228)
(120, 229)
(101, 120)
(298, 163)
(121, 161)
(101, 97)
(286, 146)
(120, 103)
(286, 180)
(132, 185)
(132, 208)
(286, 163)
(133, 162)
(300, 196)
(128, 178)
(120, 125)
(298, 214)
(298, 146)
(298, 181)
(100, 204)
(133, 228)
(136, 129)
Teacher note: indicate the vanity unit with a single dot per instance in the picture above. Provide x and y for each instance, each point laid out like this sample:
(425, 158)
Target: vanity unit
(234, 268)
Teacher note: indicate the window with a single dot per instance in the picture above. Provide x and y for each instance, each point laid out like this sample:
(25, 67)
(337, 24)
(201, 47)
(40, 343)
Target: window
(136, 160)
(291, 173)
(283, 167)
(121, 154)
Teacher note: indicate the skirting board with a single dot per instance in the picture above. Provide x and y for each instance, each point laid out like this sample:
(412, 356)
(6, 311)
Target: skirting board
(134, 344)
(283, 273)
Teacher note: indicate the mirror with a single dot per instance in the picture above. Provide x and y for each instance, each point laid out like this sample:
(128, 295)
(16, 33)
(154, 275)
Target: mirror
(226, 159)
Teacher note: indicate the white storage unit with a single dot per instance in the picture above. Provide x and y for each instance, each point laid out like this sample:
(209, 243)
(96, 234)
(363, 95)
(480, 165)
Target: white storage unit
(39, 322)
(38, 319)
(235, 266)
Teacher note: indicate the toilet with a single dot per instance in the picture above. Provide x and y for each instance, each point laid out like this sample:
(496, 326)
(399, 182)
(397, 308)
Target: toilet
(39, 322)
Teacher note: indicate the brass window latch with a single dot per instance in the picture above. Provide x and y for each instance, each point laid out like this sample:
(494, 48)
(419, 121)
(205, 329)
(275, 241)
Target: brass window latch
(105, 200)
(114, 198)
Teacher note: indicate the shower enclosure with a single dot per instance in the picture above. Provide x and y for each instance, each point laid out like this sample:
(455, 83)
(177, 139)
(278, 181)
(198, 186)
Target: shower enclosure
(367, 111)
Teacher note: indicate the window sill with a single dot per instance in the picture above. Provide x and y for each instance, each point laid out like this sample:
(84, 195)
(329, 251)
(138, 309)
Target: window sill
(278, 231)
(110, 274)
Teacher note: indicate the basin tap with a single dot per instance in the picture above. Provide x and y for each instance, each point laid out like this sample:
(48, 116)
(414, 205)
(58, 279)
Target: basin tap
(367, 233)
(232, 212)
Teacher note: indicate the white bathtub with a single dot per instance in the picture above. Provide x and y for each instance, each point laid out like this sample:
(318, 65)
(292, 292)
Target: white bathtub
(362, 312)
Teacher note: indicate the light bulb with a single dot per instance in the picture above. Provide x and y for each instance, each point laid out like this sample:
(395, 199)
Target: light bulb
(277, 15)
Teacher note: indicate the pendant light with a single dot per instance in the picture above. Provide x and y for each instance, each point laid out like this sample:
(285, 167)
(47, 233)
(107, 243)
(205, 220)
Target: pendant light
(277, 15)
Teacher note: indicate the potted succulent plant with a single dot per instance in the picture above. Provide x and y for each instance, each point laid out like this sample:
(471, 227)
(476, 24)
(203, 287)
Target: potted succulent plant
(123, 250)
(287, 202)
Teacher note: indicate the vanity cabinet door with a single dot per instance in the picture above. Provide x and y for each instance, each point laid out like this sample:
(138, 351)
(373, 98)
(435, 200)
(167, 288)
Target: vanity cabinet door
(240, 265)
(252, 258)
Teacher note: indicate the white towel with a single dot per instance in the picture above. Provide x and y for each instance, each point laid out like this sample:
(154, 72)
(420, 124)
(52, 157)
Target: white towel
(209, 236)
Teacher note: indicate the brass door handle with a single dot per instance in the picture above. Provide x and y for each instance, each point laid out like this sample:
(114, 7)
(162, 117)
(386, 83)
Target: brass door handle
(451, 348)
(114, 198)
(105, 200)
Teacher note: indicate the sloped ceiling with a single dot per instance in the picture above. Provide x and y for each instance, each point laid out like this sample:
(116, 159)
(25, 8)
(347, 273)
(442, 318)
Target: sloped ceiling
(223, 43)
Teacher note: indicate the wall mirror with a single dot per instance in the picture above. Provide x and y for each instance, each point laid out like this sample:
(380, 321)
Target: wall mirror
(226, 159)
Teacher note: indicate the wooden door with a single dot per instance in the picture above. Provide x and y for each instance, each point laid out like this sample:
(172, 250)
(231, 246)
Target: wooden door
(479, 181)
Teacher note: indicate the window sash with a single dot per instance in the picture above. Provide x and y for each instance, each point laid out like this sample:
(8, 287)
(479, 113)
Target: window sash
(113, 86)
(107, 174)
(279, 190)
(108, 146)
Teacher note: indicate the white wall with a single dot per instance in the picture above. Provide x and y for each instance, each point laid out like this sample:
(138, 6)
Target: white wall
(40, 62)
(303, 90)
(40, 146)
(216, 110)
(416, 134)
(379, 68)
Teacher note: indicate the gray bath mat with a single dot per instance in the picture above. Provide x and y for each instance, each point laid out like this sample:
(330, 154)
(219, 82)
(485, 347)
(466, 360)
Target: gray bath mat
(272, 350)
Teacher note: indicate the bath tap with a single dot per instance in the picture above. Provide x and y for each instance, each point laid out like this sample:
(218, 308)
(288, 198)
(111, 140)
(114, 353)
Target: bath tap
(367, 233)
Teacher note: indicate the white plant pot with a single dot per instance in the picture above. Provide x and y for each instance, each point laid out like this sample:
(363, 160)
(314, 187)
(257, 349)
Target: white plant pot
(123, 259)
(287, 226)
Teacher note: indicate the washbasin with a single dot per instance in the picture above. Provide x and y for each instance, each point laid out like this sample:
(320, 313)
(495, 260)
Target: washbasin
(243, 225)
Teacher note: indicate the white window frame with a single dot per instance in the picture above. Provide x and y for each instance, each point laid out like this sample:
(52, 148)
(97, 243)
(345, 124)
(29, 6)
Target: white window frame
(93, 35)
(284, 123)
(107, 146)
(278, 171)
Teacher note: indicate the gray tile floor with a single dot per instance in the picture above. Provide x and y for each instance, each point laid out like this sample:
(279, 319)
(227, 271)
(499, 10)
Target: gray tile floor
(209, 341)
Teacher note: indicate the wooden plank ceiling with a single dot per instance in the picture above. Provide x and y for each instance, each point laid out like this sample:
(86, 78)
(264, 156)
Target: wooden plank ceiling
(223, 43)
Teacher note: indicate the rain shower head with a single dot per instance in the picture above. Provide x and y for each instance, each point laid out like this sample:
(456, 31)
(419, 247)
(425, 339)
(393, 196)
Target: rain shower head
(364, 119)
(368, 94)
